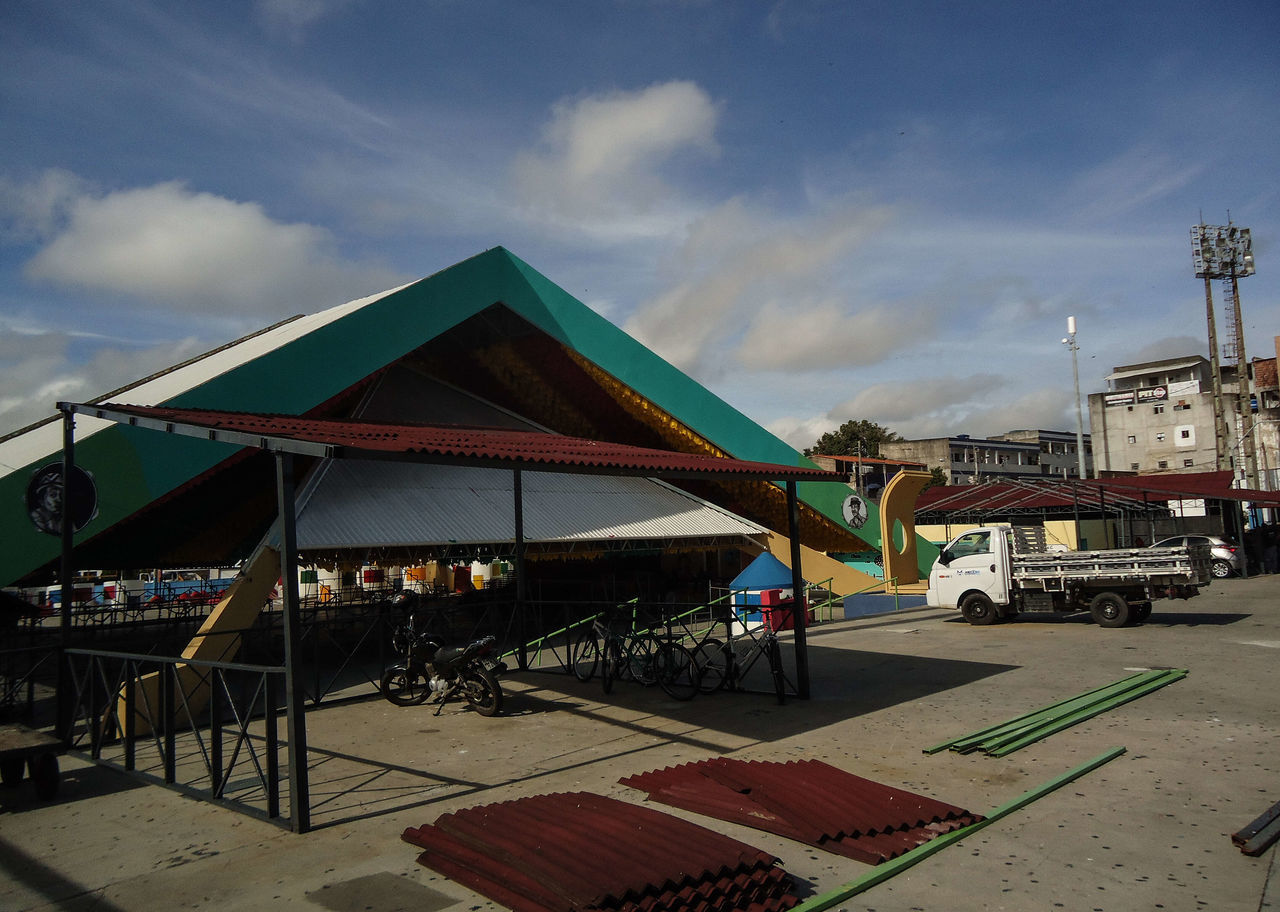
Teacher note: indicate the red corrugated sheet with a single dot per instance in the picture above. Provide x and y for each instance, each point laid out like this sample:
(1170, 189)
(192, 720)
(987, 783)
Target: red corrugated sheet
(578, 851)
(458, 443)
(809, 801)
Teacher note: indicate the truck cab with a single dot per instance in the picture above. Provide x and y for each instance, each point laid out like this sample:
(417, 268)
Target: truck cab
(972, 572)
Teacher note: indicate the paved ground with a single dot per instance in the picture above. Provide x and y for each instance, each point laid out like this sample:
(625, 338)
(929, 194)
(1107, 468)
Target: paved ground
(1150, 830)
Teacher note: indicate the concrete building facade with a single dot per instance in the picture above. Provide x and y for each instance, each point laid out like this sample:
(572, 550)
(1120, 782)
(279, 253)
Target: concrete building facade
(969, 460)
(1159, 416)
(1058, 451)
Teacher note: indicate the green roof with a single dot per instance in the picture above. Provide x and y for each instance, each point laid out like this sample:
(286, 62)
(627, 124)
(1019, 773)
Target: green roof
(133, 467)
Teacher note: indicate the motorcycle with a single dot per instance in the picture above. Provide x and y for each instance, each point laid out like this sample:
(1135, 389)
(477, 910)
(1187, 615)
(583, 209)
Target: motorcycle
(428, 668)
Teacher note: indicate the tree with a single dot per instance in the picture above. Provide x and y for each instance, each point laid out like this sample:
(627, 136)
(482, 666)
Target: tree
(845, 440)
(939, 478)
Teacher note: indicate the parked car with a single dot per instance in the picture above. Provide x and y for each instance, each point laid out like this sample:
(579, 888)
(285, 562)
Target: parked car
(1227, 556)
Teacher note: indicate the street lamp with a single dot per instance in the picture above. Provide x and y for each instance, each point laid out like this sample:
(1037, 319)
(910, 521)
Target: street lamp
(1070, 342)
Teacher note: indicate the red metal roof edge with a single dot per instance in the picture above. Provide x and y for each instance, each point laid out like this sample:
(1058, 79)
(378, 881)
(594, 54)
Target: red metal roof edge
(471, 443)
(1056, 492)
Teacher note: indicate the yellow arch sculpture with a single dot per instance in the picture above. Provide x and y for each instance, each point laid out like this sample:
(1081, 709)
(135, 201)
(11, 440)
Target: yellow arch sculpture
(898, 526)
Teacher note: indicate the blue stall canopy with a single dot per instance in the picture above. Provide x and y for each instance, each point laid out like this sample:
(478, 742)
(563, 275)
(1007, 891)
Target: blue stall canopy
(765, 572)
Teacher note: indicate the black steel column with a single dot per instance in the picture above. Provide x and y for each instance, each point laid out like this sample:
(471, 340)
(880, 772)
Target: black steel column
(1075, 505)
(67, 573)
(295, 699)
(801, 609)
(522, 656)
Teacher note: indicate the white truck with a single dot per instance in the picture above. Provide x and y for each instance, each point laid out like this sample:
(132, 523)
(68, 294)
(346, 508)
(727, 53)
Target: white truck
(996, 572)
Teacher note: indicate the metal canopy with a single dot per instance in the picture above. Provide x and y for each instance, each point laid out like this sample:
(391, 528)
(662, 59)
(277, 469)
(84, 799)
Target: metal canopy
(517, 451)
(498, 448)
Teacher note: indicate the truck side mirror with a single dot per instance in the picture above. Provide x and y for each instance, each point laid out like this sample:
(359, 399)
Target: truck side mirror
(944, 557)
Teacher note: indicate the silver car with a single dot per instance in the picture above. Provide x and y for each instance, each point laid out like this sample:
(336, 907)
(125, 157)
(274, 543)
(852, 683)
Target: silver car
(1227, 556)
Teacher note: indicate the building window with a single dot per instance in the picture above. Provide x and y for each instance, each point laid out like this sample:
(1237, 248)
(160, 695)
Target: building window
(1182, 405)
(1133, 467)
(1160, 437)
(1185, 434)
(1133, 439)
(1188, 463)
(1162, 464)
(1157, 409)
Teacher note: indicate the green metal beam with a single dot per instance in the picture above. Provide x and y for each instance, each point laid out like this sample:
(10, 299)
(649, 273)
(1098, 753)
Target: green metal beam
(895, 866)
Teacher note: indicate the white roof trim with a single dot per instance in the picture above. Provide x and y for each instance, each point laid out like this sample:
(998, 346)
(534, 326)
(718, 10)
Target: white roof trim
(46, 440)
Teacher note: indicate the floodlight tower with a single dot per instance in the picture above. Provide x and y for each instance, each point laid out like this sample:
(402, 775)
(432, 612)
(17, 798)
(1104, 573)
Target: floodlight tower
(1070, 342)
(1226, 252)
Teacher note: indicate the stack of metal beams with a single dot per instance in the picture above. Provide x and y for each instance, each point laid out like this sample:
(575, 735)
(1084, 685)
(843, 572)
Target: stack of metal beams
(809, 801)
(577, 851)
(1007, 737)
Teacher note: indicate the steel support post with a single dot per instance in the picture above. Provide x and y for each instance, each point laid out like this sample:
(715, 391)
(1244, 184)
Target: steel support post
(295, 700)
(67, 573)
(522, 657)
(800, 611)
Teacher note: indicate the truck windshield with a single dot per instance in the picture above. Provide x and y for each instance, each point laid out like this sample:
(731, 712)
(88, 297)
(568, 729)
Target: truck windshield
(971, 543)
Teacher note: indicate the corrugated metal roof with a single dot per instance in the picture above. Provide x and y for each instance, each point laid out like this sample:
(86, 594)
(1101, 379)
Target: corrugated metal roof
(500, 447)
(1094, 493)
(806, 800)
(365, 504)
(578, 851)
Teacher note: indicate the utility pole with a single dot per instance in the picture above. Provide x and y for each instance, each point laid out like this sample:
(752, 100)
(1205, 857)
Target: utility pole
(1215, 368)
(1226, 252)
(1070, 342)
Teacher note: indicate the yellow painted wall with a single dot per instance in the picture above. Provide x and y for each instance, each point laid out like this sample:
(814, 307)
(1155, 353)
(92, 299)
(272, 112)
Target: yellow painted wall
(1097, 533)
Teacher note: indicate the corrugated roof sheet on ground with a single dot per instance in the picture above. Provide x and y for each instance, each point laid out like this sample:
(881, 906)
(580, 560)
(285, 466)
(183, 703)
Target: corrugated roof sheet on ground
(569, 851)
(806, 800)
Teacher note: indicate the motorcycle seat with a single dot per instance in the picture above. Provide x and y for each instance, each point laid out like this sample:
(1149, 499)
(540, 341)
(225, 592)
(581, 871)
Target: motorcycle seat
(446, 654)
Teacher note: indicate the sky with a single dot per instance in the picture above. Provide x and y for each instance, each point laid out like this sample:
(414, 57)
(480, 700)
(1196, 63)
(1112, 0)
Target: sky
(822, 210)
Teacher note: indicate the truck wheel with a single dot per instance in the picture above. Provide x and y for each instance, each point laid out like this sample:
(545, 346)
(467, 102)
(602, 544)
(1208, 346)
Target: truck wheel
(1109, 609)
(978, 609)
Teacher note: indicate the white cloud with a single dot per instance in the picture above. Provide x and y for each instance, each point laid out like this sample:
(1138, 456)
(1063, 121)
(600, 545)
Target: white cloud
(797, 336)
(977, 404)
(32, 210)
(186, 250)
(603, 156)
(743, 270)
(38, 368)
(293, 17)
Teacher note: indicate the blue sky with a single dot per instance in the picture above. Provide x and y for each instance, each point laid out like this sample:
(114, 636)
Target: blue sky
(820, 210)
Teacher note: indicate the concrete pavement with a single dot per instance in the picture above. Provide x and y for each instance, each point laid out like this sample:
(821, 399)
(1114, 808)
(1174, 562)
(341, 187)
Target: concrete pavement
(1150, 830)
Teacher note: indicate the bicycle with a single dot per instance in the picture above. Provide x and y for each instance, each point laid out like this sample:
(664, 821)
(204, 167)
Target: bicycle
(726, 663)
(638, 654)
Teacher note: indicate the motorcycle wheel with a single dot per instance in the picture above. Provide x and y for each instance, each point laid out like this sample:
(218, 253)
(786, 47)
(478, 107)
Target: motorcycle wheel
(482, 691)
(404, 687)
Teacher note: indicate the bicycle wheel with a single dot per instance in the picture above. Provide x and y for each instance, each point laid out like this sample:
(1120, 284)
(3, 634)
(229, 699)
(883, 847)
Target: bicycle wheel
(640, 657)
(712, 660)
(775, 668)
(610, 665)
(584, 655)
(677, 671)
